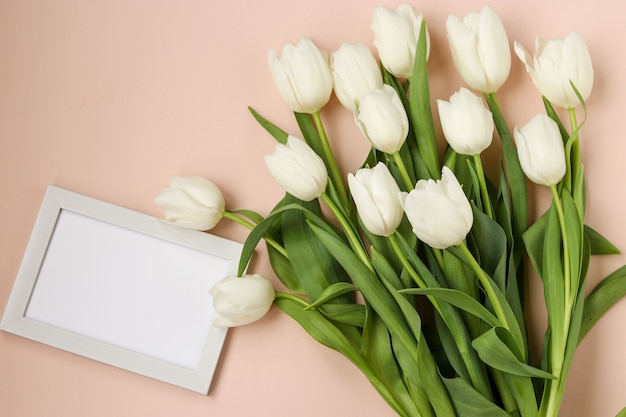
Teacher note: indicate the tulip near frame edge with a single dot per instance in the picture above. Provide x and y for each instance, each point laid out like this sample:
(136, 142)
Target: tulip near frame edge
(241, 300)
(191, 202)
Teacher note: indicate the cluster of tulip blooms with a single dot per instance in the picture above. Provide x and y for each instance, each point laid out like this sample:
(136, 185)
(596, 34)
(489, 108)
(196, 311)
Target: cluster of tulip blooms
(405, 229)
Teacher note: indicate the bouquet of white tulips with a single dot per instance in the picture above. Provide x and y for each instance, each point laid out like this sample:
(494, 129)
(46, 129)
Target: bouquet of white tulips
(414, 267)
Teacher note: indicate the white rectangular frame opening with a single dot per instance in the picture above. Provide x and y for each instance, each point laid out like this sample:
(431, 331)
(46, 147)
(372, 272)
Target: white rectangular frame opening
(122, 288)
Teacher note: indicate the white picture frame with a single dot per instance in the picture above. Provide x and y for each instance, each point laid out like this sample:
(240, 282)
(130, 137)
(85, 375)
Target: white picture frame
(122, 288)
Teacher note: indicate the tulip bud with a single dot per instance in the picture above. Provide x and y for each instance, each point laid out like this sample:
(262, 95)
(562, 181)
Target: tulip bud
(382, 119)
(556, 63)
(298, 169)
(467, 125)
(191, 202)
(355, 73)
(375, 195)
(396, 33)
(480, 49)
(302, 76)
(540, 150)
(439, 211)
(241, 300)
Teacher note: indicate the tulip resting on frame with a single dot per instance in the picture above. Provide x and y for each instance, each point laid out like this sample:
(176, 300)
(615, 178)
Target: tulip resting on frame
(241, 300)
(191, 202)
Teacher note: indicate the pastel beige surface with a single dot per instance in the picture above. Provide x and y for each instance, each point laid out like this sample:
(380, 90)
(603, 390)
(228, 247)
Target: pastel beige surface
(110, 98)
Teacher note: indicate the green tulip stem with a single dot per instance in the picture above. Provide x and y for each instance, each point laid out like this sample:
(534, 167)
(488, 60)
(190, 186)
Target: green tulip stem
(353, 238)
(575, 158)
(560, 335)
(403, 171)
(407, 265)
(569, 296)
(483, 186)
(238, 219)
(291, 297)
(333, 168)
(482, 277)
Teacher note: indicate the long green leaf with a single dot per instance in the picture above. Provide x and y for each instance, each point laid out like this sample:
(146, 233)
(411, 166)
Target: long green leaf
(604, 296)
(458, 299)
(276, 132)
(599, 244)
(469, 403)
(378, 351)
(420, 110)
(515, 175)
(495, 349)
(333, 291)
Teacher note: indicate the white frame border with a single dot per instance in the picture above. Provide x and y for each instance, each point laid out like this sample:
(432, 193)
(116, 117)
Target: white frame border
(14, 319)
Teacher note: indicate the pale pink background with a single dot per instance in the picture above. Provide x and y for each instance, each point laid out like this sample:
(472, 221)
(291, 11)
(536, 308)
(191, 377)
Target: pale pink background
(110, 98)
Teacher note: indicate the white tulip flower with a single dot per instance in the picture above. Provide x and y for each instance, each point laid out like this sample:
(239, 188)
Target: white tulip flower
(439, 211)
(355, 73)
(298, 169)
(555, 63)
(302, 76)
(191, 202)
(480, 49)
(382, 119)
(241, 300)
(396, 33)
(375, 193)
(467, 124)
(540, 149)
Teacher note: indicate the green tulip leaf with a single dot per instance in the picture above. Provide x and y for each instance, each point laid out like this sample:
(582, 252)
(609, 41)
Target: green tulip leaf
(333, 291)
(494, 348)
(309, 132)
(252, 215)
(315, 267)
(516, 178)
(470, 403)
(276, 132)
(350, 314)
(490, 241)
(604, 295)
(378, 351)
(599, 244)
(283, 270)
(420, 111)
(457, 299)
